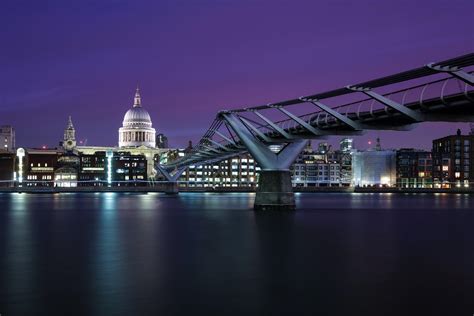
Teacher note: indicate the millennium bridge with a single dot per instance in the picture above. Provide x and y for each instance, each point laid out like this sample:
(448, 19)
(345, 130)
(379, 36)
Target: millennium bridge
(436, 92)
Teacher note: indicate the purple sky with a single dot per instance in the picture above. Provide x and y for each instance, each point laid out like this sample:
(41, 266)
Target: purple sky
(193, 58)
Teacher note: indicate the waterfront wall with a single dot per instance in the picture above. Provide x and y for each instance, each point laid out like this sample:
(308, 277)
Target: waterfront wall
(228, 190)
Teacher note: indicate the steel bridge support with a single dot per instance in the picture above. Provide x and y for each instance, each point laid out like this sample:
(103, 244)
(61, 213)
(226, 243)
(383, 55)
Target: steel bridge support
(275, 191)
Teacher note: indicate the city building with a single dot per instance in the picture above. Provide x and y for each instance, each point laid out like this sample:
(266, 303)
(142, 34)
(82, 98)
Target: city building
(161, 141)
(305, 170)
(323, 147)
(414, 168)
(128, 169)
(453, 160)
(92, 170)
(7, 168)
(374, 167)
(323, 168)
(238, 171)
(345, 161)
(7, 138)
(66, 174)
(346, 145)
(36, 167)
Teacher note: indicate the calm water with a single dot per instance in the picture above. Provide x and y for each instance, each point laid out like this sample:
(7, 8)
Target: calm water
(149, 254)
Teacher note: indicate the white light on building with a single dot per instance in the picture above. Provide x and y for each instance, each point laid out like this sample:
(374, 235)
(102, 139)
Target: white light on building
(20, 153)
(109, 156)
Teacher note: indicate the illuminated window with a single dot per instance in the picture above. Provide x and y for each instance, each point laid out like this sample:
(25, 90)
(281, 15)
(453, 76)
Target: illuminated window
(457, 174)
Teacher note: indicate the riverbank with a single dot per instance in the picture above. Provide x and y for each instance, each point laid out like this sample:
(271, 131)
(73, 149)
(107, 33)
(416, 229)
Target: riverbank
(224, 190)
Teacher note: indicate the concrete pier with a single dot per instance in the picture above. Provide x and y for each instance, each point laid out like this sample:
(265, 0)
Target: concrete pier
(170, 188)
(274, 192)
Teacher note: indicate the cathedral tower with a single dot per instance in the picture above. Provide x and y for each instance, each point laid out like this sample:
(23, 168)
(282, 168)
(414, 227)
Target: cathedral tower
(69, 142)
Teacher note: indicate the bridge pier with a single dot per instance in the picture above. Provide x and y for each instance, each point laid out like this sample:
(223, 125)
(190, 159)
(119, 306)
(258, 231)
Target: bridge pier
(171, 185)
(275, 191)
(171, 188)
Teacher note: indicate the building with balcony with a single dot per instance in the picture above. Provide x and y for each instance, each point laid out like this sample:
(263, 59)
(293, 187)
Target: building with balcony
(414, 168)
(453, 159)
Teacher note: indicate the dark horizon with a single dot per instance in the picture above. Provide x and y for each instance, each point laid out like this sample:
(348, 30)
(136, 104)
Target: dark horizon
(192, 59)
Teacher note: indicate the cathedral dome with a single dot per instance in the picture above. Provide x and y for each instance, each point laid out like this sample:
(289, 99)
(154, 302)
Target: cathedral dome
(137, 127)
(137, 117)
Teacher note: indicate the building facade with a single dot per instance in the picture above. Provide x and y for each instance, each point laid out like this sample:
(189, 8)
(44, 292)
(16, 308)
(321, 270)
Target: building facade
(7, 138)
(128, 169)
(238, 171)
(36, 167)
(7, 169)
(374, 168)
(161, 141)
(453, 159)
(316, 168)
(414, 168)
(93, 169)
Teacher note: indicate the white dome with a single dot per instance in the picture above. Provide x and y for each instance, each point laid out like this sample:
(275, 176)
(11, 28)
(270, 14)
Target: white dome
(137, 128)
(137, 117)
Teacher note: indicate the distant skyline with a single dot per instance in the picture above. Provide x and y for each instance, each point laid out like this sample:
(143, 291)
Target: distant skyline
(193, 58)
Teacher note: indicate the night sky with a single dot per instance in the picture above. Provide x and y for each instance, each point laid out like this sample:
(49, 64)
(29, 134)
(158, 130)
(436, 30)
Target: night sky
(193, 58)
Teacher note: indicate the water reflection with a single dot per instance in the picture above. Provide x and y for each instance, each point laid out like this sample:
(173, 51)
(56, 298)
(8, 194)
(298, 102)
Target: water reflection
(114, 253)
(107, 263)
(18, 257)
(213, 201)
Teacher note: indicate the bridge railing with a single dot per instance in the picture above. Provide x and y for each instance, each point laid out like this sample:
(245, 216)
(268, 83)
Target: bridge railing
(416, 96)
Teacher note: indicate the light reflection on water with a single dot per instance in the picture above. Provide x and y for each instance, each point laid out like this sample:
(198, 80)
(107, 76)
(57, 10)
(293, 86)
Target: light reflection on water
(210, 253)
(106, 261)
(19, 254)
